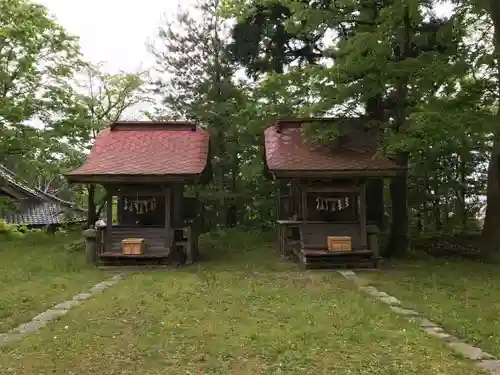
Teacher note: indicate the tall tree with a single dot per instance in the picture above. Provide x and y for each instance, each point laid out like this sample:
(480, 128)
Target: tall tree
(92, 101)
(491, 234)
(262, 43)
(387, 60)
(194, 81)
(36, 54)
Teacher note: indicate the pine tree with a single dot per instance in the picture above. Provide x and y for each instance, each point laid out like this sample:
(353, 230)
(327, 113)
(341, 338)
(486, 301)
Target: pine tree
(194, 81)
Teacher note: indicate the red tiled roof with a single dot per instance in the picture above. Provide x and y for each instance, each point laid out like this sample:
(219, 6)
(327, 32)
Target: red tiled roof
(288, 150)
(147, 148)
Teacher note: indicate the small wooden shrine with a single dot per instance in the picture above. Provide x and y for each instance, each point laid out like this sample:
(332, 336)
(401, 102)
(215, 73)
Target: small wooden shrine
(322, 192)
(144, 168)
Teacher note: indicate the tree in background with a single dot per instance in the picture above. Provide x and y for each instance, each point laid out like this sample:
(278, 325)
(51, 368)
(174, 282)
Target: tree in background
(262, 43)
(491, 235)
(36, 54)
(397, 65)
(86, 105)
(426, 86)
(195, 80)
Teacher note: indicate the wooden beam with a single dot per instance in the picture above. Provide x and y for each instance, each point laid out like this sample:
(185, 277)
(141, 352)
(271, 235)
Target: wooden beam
(362, 215)
(333, 189)
(127, 179)
(289, 174)
(109, 221)
(133, 189)
(304, 205)
(278, 202)
(189, 246)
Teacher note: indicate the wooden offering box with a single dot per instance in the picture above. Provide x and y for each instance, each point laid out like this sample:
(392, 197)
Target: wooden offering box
(339, 244)
(133, 246)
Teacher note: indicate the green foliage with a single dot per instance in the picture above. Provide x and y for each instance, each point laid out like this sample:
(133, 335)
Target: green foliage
(195, 80)
(8, 204)
(427, 85)
(422, 81)
(91, 102)
(40, 273)
(10, 231)
(77, 246)
(36, 54)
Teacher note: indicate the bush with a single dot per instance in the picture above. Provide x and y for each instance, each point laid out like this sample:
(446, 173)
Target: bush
(76, 246)
(10, 231)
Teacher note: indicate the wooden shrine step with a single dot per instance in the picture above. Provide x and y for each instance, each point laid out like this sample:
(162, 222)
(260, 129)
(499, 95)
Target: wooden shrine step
(117, 254)
(326, 259)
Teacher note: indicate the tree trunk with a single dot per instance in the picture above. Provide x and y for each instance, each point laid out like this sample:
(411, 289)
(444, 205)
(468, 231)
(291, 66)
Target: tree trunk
(446, 213)
(462, 193)
(375, 202)
(91, 206)
(222, 210)
(398, 239)
(491, 232)
(234, 208)
(420, 225)
(437, 215)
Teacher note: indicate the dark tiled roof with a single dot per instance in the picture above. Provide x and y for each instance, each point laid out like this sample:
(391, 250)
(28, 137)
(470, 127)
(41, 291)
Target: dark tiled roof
(147, 148)
(34, 206)
(43, 213)
(288, 150)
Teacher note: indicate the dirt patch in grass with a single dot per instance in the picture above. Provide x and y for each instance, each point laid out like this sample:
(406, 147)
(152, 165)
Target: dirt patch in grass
(450, 246)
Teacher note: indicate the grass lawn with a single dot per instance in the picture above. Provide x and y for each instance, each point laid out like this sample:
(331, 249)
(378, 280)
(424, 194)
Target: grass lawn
(243, 311)
(38, 271)
(463, 296)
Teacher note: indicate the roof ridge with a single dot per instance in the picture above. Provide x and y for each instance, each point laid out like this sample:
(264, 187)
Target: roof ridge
(171, 125)
(14, 179)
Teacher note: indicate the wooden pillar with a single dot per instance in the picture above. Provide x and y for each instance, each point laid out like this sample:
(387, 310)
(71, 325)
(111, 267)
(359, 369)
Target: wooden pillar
(375, 202)
(362, 215)
(304, 203)
(278, 215)
(168, 225)
(189, 246)
(177, 205)
(109, 219)
(278, 201)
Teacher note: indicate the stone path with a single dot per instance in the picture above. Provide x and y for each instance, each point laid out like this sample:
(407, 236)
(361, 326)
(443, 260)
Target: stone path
(43, 319)
(481, 358)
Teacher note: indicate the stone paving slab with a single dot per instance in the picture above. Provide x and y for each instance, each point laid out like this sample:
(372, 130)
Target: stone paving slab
(426, 323)
(347, 273)
(491, 365)
(469, 351)
(401, 311)
(374, 292)
(98, 288)
(436, 332)
(82, 296)
(50, 315)
(9, 338)
(390, 300)
(66, 305)
(31, 327)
